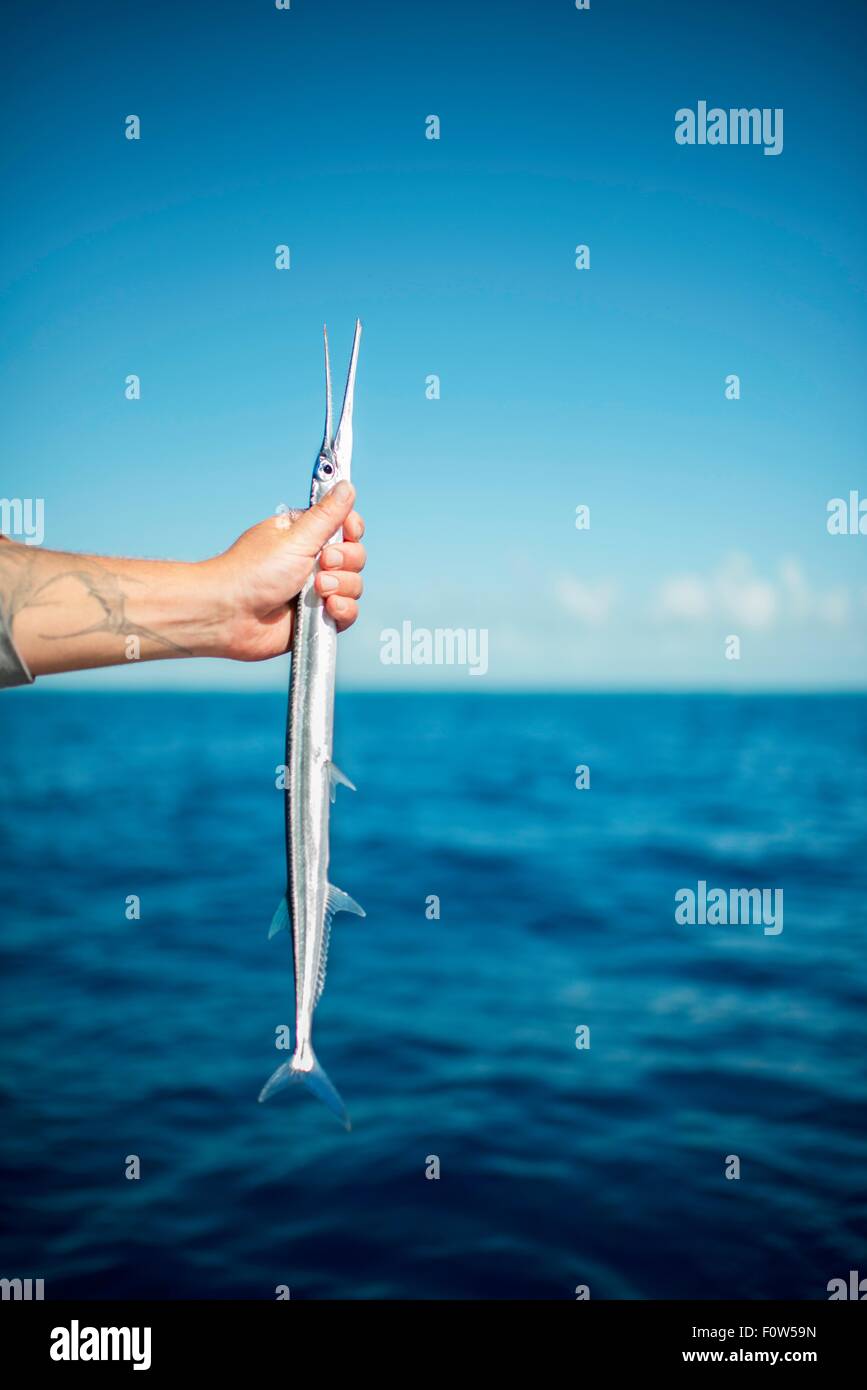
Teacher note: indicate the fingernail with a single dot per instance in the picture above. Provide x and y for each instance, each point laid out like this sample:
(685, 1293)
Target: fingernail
(328, 583)
(339, 605)
(342, 492)
(332, 556)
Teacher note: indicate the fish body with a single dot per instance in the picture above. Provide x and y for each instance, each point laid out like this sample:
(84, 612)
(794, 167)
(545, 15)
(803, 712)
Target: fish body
(311, 781)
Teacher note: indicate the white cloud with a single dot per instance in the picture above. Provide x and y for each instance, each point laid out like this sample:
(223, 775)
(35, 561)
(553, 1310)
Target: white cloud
(742, 596)
(833, 608)
(736, 593)
(683, 596)
(589, 603)
(796, 592)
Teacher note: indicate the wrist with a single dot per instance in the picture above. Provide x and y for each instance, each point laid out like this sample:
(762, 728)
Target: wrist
(193, 611)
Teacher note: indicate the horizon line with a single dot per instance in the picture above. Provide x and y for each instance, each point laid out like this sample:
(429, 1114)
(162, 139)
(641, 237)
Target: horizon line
(47, 683)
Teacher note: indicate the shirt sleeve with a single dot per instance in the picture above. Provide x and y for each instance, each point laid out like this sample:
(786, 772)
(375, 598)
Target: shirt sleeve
(13, 670)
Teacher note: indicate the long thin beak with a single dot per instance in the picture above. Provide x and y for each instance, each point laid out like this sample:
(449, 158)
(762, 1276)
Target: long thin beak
(326, 438)
(343, 438)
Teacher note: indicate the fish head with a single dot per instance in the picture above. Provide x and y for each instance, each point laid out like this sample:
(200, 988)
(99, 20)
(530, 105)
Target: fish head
(326, 474)
(334, 460)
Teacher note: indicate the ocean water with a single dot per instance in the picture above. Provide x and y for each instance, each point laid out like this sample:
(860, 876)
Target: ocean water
(451, 1037)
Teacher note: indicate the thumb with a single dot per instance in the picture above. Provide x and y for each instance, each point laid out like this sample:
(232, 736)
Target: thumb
(315, 527)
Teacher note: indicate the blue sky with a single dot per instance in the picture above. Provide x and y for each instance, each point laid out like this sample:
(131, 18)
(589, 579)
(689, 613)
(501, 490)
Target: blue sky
(559, 387)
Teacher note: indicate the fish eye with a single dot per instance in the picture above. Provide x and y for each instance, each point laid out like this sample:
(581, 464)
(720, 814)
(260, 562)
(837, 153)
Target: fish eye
(326, 469)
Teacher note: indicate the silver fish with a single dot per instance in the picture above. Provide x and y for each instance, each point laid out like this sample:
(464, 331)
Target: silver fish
(312, 777)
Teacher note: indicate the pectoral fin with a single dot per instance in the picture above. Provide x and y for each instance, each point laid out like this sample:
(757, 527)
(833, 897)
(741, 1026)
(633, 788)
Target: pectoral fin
(335, 776)
(280, 919)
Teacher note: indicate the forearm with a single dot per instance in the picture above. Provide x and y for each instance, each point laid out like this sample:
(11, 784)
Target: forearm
(67, 612)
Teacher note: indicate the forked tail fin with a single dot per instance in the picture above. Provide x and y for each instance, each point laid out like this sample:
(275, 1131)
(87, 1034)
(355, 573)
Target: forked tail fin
(316, 1080)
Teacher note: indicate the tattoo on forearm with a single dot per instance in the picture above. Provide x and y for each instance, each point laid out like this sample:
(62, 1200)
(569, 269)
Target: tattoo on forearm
(21, 587)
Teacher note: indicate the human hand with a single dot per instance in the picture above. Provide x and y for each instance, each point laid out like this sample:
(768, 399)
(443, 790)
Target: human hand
(255, 582)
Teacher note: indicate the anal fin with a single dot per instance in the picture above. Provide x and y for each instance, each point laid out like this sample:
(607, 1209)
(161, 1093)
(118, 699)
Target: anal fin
(335, 901)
